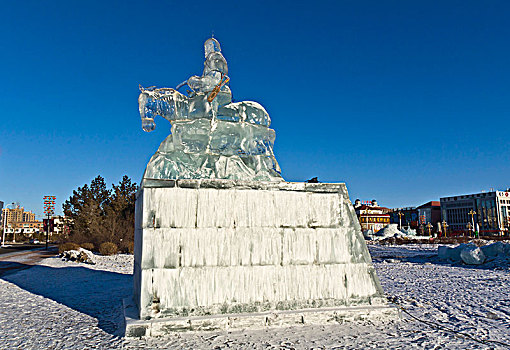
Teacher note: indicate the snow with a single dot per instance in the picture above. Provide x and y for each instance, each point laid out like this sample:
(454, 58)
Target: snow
(391, 230)
(68, 305)
(63, 305)
(81, 255)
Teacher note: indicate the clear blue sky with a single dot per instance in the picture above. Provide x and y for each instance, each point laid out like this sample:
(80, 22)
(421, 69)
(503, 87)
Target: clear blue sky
(405, 101)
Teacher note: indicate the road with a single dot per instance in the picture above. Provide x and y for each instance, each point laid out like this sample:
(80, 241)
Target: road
(19, 257)
(16, 247)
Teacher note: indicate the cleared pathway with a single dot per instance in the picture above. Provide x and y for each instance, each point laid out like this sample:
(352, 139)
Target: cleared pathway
(15, 260)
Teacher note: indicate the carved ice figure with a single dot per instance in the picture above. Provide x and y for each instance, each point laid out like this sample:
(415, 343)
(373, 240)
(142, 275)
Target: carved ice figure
(211, 137)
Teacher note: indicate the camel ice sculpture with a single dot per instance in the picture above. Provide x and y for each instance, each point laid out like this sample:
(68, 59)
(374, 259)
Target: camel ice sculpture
(211, 137)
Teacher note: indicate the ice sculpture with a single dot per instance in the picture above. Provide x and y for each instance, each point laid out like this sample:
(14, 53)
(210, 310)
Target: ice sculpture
(211, 137)
(230, 252)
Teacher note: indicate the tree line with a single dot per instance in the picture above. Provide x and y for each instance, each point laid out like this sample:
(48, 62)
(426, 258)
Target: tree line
(97, 215)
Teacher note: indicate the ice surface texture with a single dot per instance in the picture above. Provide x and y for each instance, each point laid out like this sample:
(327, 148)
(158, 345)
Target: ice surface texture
(221, 246)
(470, 254)
(211, 137)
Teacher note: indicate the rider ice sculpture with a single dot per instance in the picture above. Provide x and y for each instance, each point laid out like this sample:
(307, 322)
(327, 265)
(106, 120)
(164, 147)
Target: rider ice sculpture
(211, 137)
(230, 254)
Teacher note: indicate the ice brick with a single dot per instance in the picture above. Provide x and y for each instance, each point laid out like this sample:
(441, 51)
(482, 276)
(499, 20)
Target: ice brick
(199, 107)
(230, 138)
(216, 286)
(191, 136)
(324, 210)
(299, 246)
(214, 208)
(172, 207)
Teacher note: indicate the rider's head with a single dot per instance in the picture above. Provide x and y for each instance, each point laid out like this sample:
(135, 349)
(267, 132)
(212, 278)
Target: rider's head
(211, 45)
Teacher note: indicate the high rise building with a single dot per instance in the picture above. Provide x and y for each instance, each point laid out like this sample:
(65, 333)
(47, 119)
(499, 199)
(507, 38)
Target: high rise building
(17, 214)
(12, 214)
(28, 216)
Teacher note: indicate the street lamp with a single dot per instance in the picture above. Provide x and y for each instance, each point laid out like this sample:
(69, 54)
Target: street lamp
(445, 226)
(5, 222)
(400, 220)
(472, 213)
(429, 226)
(4, 214)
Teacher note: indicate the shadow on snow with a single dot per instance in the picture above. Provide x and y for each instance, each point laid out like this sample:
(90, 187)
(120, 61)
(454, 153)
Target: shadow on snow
(93, 292)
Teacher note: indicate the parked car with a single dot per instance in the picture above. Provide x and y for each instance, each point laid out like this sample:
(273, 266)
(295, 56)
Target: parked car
(34, 241)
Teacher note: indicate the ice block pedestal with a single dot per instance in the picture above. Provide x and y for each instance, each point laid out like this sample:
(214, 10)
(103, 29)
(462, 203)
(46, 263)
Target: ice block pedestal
(216, 254)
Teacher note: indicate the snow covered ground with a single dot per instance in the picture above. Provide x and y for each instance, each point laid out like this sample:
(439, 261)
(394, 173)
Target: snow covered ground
(66, 305)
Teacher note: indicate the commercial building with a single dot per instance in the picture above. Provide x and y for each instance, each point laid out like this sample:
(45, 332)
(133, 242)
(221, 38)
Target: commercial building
(430, 213)
(12, 215)
(20, 222)
(59, 225)
(17, 214)
(371, 216)
(484, 212)
(28, 216)
(24, 228)
(418, 218)
(29, 228)
(408, 217)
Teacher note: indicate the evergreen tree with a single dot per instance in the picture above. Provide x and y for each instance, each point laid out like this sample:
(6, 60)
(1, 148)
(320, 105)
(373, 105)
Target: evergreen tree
(120, 211)
(96, 214)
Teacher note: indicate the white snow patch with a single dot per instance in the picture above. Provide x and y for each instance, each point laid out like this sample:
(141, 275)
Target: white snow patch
(391, 230)
(80, 255)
